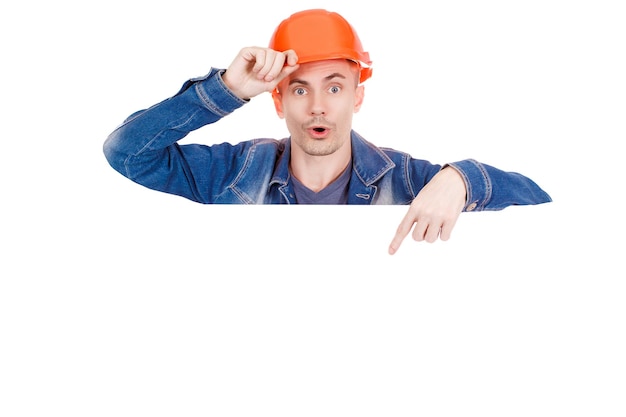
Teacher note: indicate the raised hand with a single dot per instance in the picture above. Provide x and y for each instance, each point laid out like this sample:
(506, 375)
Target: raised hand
(256, 70)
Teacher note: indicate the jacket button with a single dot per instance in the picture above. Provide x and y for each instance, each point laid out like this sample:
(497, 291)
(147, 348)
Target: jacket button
(471, 207)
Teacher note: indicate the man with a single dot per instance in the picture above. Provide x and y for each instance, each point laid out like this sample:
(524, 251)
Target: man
(314, 68)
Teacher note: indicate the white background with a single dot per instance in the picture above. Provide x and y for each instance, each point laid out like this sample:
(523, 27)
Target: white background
(120, 301)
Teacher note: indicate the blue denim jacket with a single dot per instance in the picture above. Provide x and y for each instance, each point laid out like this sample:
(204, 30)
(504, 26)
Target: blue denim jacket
(145, 149)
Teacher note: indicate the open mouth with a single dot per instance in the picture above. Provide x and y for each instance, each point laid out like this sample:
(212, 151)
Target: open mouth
(318, 132)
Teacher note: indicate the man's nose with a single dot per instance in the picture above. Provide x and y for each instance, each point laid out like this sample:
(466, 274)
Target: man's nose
(317, 105)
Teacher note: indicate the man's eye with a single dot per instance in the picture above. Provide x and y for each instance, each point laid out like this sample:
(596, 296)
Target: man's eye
(334, 89)
(299, 91)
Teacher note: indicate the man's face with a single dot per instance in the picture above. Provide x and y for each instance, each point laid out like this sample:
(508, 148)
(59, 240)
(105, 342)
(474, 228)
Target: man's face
(317, 102)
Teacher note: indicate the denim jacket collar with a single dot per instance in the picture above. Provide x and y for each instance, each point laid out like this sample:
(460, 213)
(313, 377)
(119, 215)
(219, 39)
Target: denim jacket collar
(369, 163)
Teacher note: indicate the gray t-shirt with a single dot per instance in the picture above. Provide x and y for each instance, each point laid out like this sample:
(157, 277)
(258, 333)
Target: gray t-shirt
(335, 193)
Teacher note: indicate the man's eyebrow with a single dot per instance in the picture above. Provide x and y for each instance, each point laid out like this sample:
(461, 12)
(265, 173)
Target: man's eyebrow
(335, 75)
(327, 78)
(298, 81)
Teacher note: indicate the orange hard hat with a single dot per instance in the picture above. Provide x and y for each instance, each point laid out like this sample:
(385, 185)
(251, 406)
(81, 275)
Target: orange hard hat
(317, 35)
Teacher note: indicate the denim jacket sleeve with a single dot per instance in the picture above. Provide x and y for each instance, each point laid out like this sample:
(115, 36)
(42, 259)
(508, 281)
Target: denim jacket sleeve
(490, 188)
(144, 147)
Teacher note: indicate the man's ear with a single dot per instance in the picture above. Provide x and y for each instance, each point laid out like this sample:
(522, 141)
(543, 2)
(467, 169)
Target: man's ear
(360, 93)
(277, 103)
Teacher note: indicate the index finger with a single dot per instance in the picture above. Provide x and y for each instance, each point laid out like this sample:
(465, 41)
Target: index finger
(289, 65)
(401, 232)
(291, 58)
